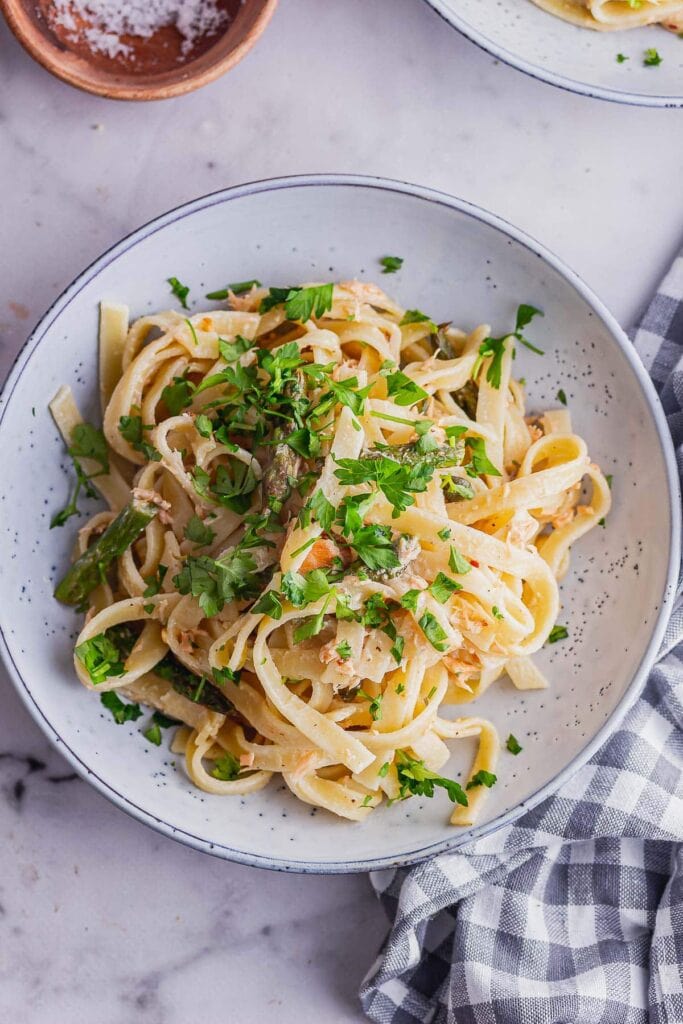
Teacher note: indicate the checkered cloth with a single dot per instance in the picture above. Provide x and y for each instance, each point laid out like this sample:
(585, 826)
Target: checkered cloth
(573, 915)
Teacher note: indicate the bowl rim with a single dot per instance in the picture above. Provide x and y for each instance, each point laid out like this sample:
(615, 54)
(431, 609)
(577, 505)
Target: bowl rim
(598, 92)
(453, 840)
(48, 56)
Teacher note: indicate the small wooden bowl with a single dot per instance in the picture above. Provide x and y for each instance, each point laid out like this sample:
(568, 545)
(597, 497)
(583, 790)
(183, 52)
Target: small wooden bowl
(150, 69)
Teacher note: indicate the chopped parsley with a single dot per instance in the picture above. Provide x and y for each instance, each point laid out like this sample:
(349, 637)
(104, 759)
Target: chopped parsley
(226, 768)
(217, 582)
(269, 604)
(131, 429)
(651, 58)
(409, 600)
(375, 708)
(343, 649)
(300, 303)
(494, 348)
(323, 510)
(442, 588)
(177, 396)
(198, 532)
(391, 264)
(416, 316)
(621, 58)
(374, 547)
(479, 464)
(434, 632)
(557, 633)
(512, 744)
(458, 563)
(87, 442)
(415, 779)
(444, 534)
(482, 778)
(311, 626)
(561, 397)
(403, 390)
(121, 712)
(101, 658)
(496, 612)
(181, 291)
(232, 350)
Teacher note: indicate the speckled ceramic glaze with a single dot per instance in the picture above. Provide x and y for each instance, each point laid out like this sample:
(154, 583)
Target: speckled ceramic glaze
(582, 60)
(461, 264)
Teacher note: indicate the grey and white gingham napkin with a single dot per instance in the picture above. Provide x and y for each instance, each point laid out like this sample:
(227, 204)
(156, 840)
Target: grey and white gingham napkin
(574, 914)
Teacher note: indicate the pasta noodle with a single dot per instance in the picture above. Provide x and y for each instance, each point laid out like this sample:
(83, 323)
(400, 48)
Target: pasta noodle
(330, 521)
(616, 15)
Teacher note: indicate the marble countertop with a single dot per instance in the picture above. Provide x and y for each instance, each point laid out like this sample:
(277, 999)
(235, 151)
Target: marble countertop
(101, 920)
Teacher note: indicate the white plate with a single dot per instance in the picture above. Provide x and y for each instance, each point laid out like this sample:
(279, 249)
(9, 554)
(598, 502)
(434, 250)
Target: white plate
(579, 59)
(460, 263)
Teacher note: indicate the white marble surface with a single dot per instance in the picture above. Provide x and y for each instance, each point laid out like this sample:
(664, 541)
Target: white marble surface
(102, 921)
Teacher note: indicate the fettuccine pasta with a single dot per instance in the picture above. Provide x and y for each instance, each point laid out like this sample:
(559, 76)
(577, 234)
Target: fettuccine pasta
(617, 15)
(330, 526)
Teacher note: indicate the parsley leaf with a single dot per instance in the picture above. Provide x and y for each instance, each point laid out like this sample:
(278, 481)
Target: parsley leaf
(651, 58)
(311, 626)
(232, 350)
(396, 649)
(198, 532)
(375, 707)
(121, 712)
(177, 396)
(415, 316)
(343, 649)
(269, 603)
(131, 429)
(415, 778)
(181, 291)
(301, 590)
(557, 633)
(374, 547)
(218, 581)
(512, 745)
(226, 768)
(101, 658)
(458, 563)
(391, 264)
(561, 397)
(152, 734)
(300, 303)
(403, 390)
(409, 600)
(621, 58)
(351, 512)
(434, 632)
(323, 510)
(442, 588)
(87, 442)
(479, 464)
(482, 778)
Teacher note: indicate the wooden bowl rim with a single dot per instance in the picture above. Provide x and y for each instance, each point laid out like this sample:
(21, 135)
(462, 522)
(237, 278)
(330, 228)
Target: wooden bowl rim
(48, 55)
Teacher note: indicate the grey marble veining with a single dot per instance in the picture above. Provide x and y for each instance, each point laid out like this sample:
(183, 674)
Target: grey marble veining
(101, 920)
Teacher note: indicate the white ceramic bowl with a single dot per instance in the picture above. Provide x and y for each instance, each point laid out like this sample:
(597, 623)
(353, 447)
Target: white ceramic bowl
(460, 263)
(581, 60)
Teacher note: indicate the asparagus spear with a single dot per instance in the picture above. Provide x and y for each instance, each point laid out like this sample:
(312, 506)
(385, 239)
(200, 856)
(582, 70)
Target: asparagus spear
(191, 686)
(89, 570)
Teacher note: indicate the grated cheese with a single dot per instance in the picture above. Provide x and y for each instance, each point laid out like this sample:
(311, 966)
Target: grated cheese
(102, 23)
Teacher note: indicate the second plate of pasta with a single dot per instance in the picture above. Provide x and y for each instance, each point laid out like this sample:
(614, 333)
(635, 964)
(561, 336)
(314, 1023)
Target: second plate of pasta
(356, 531)
(621, 51)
